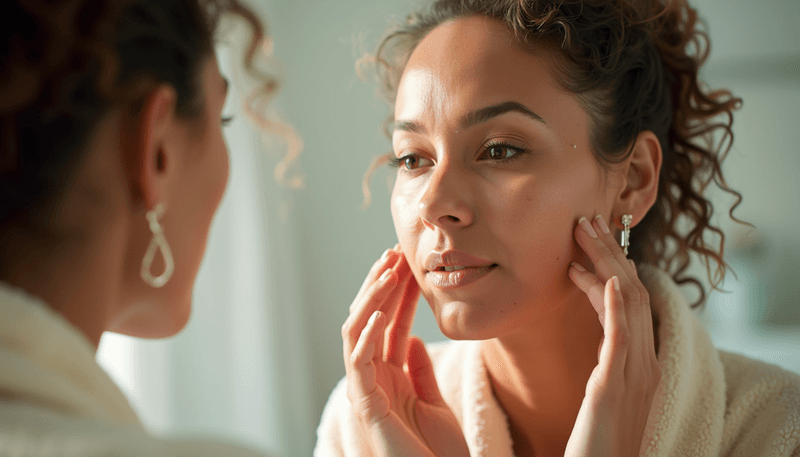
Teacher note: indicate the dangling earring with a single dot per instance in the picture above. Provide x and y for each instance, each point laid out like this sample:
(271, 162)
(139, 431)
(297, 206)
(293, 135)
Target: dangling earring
(625, 240)
(158, 242)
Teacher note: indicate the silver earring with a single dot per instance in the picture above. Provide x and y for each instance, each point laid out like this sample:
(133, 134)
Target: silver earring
(158, 241)
(625, 241)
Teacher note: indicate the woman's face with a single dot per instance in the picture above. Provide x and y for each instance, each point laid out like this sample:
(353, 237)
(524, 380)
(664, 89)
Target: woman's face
(495, 171)
(203, 181)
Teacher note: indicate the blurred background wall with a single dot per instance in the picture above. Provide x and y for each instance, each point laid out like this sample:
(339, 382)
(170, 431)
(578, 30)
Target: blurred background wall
(263, 348)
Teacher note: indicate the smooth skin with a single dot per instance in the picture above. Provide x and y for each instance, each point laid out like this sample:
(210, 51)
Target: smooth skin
(87, 267)
(521, 188)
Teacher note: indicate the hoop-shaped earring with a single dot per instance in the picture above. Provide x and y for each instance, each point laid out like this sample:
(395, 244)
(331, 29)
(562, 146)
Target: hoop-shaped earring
(625, 240)
(158, 241)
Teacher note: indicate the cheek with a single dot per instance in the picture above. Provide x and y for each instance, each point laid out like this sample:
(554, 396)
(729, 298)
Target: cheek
(404, 209)
(534, 219)
(407, 223)
(219, 166)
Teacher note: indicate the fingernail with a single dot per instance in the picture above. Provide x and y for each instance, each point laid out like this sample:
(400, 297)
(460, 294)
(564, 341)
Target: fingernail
(633, 264)
(615, 281)
(602, 224)
(385, 254)
(578, 266)
(587, 227)
(385, 275)
(374, 317)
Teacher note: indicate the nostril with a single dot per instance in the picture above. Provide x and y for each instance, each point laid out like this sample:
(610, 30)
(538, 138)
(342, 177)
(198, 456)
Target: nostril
(453, 219)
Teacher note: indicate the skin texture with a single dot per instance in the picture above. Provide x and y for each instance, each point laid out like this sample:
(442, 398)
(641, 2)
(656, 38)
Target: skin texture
(516, 206)
(87, 269)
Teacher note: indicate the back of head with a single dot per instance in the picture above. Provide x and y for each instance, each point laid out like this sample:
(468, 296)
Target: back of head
(68, 62)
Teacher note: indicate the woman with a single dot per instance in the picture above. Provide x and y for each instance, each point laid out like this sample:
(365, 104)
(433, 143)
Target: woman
(112, 166)
(529, 136)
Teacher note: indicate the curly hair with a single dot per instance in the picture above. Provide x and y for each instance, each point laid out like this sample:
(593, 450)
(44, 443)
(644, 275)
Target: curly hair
(68, 62)
(633, 64)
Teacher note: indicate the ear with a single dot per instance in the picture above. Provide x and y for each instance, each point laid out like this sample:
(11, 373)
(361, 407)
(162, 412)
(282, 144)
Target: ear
(642, 170)
(150, 159)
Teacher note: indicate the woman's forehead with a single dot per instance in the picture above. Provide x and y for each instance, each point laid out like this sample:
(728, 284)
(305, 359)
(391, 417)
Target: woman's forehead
(473, 62)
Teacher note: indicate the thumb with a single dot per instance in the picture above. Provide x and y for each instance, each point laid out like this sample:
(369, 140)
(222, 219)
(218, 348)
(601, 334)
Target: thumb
(420, 372)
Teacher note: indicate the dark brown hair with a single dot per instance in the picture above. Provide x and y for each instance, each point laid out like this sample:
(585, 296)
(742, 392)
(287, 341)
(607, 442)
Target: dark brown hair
(67, 62)
(634, 66)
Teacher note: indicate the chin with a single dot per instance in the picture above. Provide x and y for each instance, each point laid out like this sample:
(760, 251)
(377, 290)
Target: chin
(459, 320)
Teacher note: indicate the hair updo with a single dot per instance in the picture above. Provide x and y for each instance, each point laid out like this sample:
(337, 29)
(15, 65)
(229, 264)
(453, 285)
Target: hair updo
(634, 66)
(67, 62)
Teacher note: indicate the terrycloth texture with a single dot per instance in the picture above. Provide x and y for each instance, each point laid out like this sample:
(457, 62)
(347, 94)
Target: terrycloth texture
(55, 400)
(709, 402)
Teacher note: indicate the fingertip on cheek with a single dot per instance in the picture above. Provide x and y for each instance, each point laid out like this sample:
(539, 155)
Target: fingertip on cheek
(578, 267)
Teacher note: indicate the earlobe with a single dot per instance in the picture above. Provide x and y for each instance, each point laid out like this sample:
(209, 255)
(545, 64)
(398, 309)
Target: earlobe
(641, 180)
(147, 156)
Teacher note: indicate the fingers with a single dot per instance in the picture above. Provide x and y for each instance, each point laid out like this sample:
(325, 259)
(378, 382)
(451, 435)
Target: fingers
(420, 371)
(598, 242)
(631, 311)
(403, 271)
(591, 286)
(608, 259)
(400, 327)
(388, 259)
(378, 293)
(374, 298)
(368, 399)
(616, 338)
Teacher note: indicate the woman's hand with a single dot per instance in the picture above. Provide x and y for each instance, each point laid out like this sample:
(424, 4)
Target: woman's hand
(390, 379)
(620, 390)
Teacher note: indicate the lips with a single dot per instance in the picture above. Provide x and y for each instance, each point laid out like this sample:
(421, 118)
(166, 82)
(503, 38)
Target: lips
(453, 269)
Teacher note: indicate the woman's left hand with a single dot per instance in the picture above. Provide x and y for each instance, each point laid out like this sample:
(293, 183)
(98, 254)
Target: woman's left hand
(620, 391)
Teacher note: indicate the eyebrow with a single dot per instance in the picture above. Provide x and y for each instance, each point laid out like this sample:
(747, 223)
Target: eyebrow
(225, 80)
(484, 114)
(476, 117)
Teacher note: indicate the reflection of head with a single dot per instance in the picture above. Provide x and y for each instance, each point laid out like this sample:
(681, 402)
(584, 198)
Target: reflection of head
(634, 66)
(68, 64)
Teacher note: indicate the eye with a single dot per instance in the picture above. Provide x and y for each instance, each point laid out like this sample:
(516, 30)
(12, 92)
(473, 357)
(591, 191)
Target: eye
(501, 151)
(410, 162)
(227, 120)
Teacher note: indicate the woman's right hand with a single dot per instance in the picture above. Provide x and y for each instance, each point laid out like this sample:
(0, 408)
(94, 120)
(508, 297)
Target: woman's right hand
(390, 378)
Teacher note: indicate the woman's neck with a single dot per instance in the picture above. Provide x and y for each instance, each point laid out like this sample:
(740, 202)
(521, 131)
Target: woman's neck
(539, 375)
(76, 278)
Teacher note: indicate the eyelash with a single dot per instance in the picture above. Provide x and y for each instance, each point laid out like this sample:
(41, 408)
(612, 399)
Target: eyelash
(519, 151)
(227, 120)
(397, 162)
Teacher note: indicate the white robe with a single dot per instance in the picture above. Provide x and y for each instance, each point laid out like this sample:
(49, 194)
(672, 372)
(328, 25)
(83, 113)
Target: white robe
(709, 402)
(55, 400)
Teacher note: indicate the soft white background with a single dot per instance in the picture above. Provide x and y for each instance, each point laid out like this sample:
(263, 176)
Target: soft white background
(263, 350)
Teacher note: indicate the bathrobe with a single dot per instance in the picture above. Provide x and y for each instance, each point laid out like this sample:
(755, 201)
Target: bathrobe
(56, 401)
(708, 403)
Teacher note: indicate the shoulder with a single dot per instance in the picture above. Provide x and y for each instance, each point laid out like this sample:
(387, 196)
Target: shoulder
(762, 414)
(43, 432)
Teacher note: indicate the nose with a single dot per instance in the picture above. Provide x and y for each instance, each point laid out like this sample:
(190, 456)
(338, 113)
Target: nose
(445, 203)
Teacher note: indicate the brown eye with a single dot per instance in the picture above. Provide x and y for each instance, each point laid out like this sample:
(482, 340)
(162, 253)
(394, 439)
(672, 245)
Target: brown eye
(500, 152)
(411, 162)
